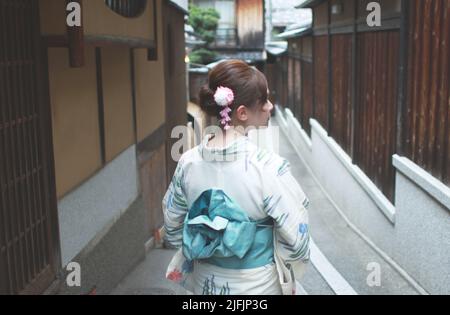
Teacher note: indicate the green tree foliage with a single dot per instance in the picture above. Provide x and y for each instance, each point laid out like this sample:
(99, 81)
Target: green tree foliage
(202, 56)
(205, 23)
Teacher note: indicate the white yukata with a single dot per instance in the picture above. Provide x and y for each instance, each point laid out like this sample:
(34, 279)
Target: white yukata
(259, 182)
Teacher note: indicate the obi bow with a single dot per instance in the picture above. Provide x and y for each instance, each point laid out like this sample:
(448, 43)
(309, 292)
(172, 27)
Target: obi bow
(216, 226)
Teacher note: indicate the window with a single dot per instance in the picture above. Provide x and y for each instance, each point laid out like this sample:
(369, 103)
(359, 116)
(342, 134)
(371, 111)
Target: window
(127, 8)
(226, 34)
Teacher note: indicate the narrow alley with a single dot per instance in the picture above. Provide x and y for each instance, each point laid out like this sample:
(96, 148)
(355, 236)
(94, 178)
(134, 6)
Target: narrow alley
(100, 98)
(340, 258)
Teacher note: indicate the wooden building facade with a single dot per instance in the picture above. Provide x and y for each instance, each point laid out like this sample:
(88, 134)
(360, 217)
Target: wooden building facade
(85, 120)
(378, 91)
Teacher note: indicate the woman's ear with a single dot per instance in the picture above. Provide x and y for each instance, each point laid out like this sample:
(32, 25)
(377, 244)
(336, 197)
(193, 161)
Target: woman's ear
(242, 113)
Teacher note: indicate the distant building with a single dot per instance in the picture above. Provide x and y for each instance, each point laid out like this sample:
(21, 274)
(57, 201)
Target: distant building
(240, 34)
(282, 13)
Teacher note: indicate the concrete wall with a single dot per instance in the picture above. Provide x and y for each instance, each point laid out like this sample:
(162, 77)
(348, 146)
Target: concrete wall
(104, 263)
(423, 226)
(89, 211)
(415, 232)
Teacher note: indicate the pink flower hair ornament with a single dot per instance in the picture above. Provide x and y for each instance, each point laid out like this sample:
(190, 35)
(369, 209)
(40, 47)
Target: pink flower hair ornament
(224, 97)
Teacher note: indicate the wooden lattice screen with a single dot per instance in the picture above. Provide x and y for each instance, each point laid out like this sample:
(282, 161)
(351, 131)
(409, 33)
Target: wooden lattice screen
(28, 237)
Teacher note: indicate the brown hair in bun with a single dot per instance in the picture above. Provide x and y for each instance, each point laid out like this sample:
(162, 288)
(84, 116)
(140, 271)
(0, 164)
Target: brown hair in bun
(248, 84)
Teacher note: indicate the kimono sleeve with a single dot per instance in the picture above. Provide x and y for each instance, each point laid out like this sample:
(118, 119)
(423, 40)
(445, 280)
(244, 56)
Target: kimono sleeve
(175, 208)
(287, 204)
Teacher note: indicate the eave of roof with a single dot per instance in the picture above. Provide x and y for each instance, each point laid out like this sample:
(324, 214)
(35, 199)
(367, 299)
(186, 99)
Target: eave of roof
(296, 33)
(178, 5)
(309, 4)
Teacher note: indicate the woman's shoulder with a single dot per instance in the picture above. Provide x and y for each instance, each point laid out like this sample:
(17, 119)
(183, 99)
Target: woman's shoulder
(270, 162)
(189, 156)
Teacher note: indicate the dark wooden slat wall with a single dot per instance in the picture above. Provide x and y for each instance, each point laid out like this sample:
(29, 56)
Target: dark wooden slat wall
(416, 125)
(341, 85)
(290, 84)
(427, 120)
(321, 84)
(282, 84)
(298, 89)
(26, 246)
(271, 76)
(307, 95)
(375, 127)
(285, 81)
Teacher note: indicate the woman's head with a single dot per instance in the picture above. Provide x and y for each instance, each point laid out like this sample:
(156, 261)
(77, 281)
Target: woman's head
(251, 107)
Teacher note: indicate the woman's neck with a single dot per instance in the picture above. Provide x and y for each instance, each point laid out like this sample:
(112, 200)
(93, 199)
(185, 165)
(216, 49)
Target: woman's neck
(225, 138)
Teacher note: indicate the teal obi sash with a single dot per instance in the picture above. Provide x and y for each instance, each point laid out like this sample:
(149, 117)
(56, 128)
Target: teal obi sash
(217, 231)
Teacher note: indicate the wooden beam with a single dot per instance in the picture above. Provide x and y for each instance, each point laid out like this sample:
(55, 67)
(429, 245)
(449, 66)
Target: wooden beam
(112, 40)
(101, 105)
(152, 53)
(100, 41)
(75, 42)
